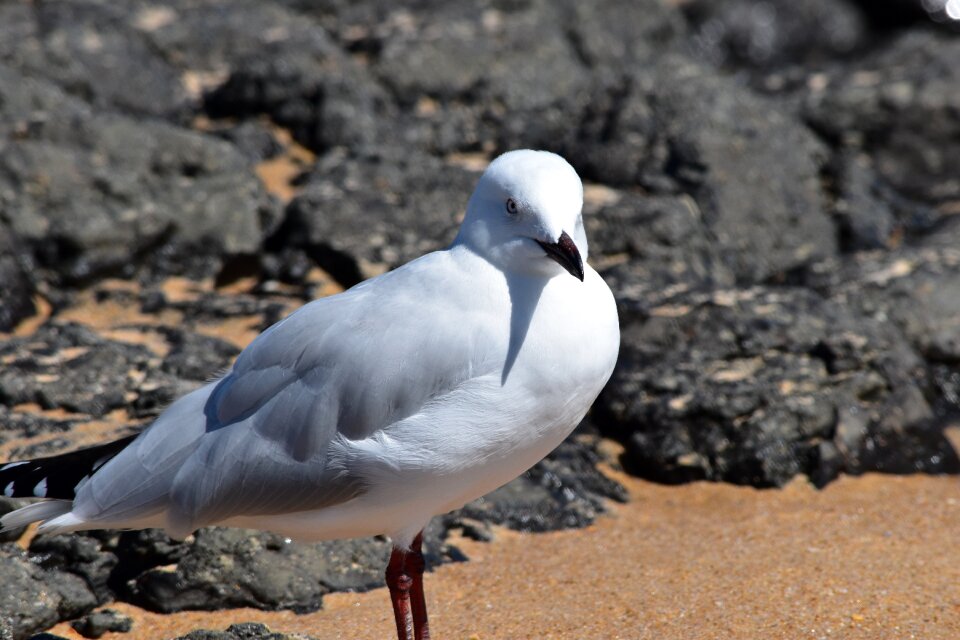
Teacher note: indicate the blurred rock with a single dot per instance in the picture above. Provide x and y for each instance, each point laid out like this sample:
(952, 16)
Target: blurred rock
(67, 366)
(607, 32)
(25, 424)
(654, 246)
(253, 138)
(197, 357)
(753, 173)
(16, 286)
(469, 75)
(313, 90)
(899, 106)
(897, 15)
(97, 623)
(92, 193)
(917, 289)
(865, 208)
(95, 51)
(763, 36)
(250, 58)
(358, 216)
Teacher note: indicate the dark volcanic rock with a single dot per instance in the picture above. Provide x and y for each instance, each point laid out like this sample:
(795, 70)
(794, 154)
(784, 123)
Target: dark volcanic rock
(316, 92)
(468, 75)
(565, 490)
(606, 32)
(241, 568)
(33, 598)
(508, 74)
(754, 386)
(242, 631)
(81, 555)
(916, 288)
(357, 216)
(107, 560)
(900, 107)
(777, 33)
(197, 357)
(24, 424)
(95, 624)
(91, 193)
(666, 242)
(217, 306)
(255, 58)
(752, 172)
(867, 210)
(68, 366)
(16, 286)
(94, 50)
(253, 138)
(138, 551)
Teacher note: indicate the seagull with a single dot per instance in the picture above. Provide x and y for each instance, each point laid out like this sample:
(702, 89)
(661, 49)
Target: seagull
(370, 411)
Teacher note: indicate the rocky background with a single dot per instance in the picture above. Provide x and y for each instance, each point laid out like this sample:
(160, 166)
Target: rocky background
(773, 191)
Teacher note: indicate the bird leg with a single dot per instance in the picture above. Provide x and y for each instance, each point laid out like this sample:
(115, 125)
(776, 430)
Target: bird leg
(405, 581)
(399, 584)
(416, 563)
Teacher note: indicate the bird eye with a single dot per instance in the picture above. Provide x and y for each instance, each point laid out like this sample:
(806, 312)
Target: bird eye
(511, 206)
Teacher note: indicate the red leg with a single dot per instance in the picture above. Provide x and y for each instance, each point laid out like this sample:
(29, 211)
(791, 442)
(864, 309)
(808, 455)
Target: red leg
(399, 584)
(416, 564)
(405, 581)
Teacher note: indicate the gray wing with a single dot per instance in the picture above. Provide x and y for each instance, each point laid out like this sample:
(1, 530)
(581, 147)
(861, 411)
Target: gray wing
(258, 440)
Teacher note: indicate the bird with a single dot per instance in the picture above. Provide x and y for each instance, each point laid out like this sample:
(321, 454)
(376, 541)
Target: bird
(370, 411)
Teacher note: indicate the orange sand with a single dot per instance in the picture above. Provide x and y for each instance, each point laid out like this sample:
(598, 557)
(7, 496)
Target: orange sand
(873, 557)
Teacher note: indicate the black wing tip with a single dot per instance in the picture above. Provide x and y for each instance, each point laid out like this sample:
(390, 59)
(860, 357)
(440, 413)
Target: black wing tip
(57, 476)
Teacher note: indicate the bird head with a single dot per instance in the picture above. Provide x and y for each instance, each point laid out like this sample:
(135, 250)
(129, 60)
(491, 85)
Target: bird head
(525, 215)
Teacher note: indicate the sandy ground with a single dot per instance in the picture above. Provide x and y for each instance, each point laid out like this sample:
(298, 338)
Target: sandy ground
(874, 557)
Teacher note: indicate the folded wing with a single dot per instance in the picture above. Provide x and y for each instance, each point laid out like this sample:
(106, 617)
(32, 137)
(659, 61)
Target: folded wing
(264, 438)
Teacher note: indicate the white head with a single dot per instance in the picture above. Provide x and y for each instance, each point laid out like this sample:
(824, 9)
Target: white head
(525, 215)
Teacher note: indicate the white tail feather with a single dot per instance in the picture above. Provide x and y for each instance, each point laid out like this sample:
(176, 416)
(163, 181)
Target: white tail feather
(35, 512)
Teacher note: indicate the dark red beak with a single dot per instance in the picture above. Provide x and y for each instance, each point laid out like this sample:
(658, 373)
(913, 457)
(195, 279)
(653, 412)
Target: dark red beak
(566, 254)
